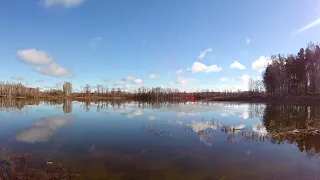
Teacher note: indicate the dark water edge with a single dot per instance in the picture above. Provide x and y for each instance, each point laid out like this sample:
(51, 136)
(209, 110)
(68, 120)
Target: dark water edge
(292, 100)
(129, 146)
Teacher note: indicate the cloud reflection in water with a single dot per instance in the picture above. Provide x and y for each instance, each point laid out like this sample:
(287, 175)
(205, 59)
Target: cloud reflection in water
(44, 129)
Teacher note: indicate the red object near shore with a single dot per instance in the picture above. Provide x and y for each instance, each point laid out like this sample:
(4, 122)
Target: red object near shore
(190, 97)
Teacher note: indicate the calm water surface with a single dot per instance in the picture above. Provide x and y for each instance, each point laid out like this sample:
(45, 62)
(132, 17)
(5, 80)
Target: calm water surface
(200, 141)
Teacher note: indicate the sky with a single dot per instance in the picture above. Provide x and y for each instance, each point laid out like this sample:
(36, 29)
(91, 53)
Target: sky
(188, 45)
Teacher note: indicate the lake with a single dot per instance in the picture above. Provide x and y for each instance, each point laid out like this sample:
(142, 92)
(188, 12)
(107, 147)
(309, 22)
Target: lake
(165, 141)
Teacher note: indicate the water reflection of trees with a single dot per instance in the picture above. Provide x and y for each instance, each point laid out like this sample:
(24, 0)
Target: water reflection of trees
(280, 124)
(298, 125)
(182, 108)
(18, 104)
(8, 104)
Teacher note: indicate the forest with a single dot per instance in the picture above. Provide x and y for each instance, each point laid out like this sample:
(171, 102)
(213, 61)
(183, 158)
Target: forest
(294, 75)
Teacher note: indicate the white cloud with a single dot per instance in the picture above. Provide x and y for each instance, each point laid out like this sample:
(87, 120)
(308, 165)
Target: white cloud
(261, 63)
(244, 78)
(133, 80)
(312, 24)
(17, 78)
(199, 67)
(34, 56)
(203, 53)
(181, 80)
(54, 69)
(95, 42)
(248, 40)
(64, 3)
(223, 79)
(237, 65)
(153, 76)
(137, 81)
(179, 72)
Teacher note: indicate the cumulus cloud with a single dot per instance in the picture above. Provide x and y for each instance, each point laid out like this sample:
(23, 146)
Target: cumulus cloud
(17, 78)
(179, 72)
(55, 70)
(199, 67)
(223, 79)
(34, 56)
(261, 63)
(203, 53)
(237, 65)
(248, 40)
(244, 78)
(133, 80)
(63, 3)
(137, 81)
(153, 76)
(40, 57)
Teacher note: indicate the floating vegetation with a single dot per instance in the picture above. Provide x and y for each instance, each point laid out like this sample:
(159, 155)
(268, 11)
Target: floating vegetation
(156, 131)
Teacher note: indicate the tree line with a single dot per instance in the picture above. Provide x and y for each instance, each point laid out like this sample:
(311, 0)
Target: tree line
(295, 74)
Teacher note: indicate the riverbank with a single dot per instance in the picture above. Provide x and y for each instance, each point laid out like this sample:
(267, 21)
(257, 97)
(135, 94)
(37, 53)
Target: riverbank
(270, 99)
(292, 100)
(23, 167)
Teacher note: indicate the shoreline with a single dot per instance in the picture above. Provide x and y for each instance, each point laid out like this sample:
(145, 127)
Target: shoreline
(245, 99)
(269, 99)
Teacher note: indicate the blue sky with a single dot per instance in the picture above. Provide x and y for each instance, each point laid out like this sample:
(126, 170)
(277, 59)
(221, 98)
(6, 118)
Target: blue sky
(132, 43)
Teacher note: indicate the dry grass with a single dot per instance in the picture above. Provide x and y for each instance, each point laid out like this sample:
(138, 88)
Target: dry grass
(22, 167)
